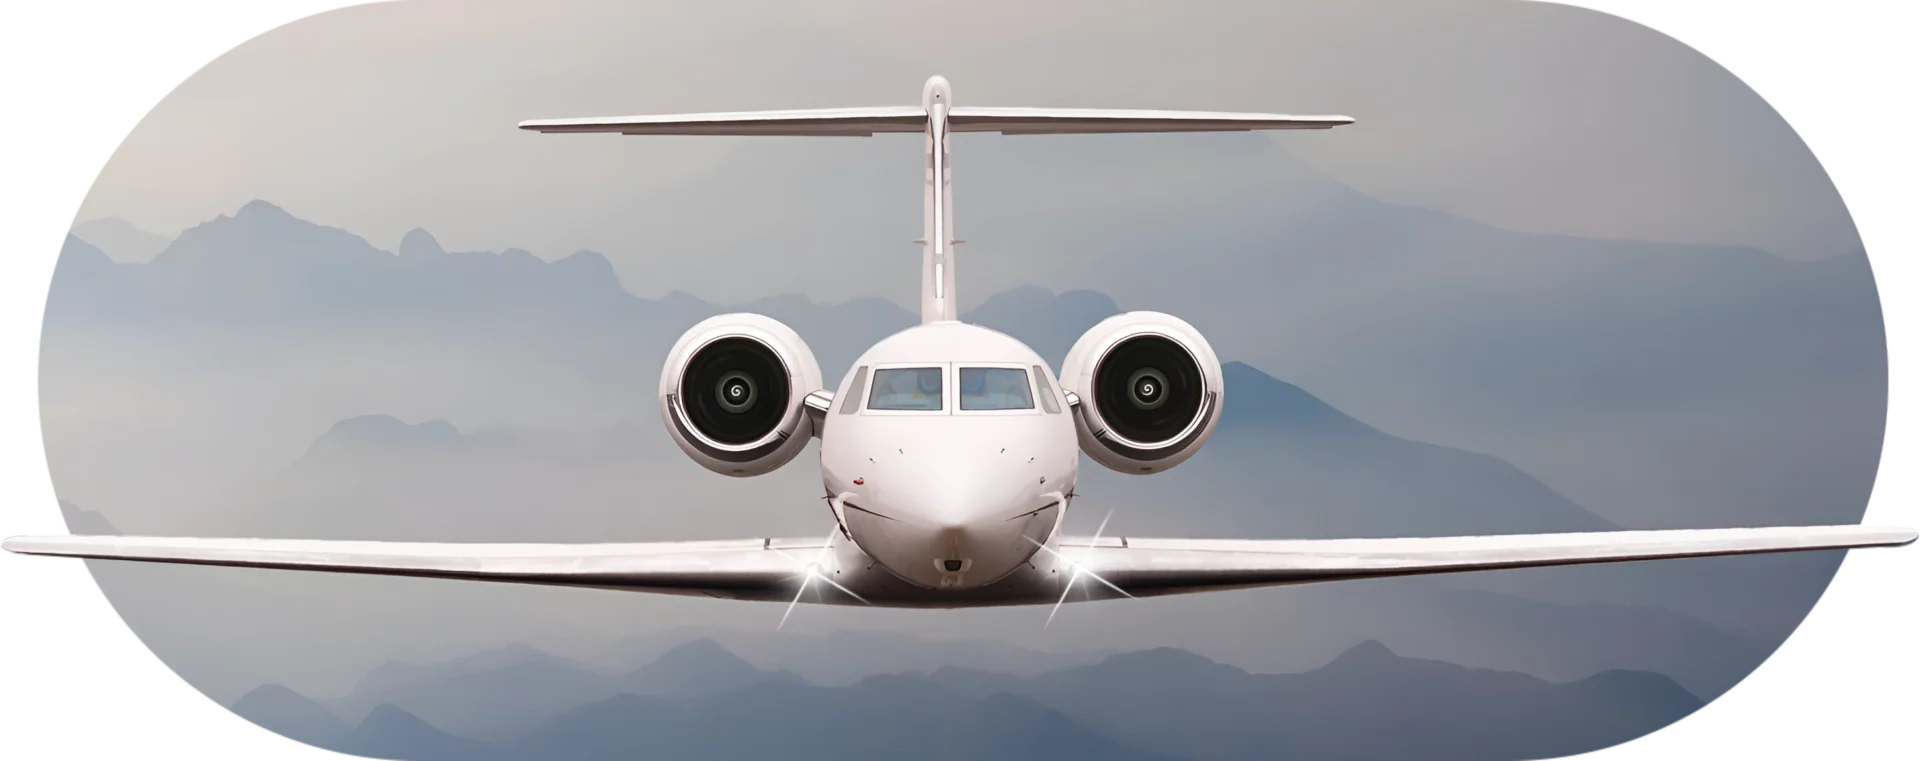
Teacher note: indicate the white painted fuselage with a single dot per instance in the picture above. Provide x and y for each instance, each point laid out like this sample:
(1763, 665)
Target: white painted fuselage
(960, 496)
(950, 498)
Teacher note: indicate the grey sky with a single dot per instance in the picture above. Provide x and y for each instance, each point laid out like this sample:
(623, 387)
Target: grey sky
(1528, 116)
(1532, 117)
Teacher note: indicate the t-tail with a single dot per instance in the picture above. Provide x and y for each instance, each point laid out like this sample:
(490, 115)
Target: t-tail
(936, 117)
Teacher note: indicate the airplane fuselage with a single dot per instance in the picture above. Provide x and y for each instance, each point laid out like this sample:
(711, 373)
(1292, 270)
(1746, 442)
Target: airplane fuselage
(949, 456)
(950, 451)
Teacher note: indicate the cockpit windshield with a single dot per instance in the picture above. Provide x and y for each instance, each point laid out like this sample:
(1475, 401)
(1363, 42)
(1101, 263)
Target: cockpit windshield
(906, 388)
(994, 388)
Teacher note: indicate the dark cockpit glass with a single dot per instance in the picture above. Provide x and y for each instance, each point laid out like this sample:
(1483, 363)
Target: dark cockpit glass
(994, 388)
(907, 388)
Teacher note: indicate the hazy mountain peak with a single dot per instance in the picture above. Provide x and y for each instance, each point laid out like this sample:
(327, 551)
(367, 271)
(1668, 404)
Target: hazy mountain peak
(1049, 323)
(268, 693)
(384, 432)
(120, 239)
(259, 209)
(701, 653)
(1019, 296)
(86, 522)
(1644, 687)
(387, 716)
(79, 253)
(520, 650)
(260, 247)
(950, 675)
(390, 732)
(1367, 653)
(281, 710)
(683, 298)
(379, 684)
(1161, 660)
(1038, 297)
(591, 264)
(699, 667)
(388, 424)
(1089, 301)
(419, 242)
(1280, 404)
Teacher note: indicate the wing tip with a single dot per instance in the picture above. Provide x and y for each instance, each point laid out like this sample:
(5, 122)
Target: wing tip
(1909, 529)
(12, 540)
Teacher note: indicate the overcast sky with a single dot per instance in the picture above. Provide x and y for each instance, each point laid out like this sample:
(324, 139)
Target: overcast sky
(1528, 116)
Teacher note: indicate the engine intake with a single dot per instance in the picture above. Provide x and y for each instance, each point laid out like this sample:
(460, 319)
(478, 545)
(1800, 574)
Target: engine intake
(732, 390)
(1150, 390)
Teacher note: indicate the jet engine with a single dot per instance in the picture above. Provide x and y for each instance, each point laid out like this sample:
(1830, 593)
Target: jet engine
(1148, 390)
(732, 394)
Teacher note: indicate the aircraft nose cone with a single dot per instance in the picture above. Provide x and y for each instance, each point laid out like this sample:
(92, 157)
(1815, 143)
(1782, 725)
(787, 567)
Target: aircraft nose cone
(948, 487)
(961, 556)
(946, 519)
(956, 508)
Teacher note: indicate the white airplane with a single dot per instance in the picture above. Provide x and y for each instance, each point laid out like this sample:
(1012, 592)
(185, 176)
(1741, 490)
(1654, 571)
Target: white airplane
(950, 451)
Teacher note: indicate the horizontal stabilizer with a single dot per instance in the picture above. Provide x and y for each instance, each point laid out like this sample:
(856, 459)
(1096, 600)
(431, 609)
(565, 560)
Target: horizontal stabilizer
(1070, 121)
(840, 122)
(857, 122)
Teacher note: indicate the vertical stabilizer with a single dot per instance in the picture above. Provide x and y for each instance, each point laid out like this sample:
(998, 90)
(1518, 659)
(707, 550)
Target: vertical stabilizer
(936, 268)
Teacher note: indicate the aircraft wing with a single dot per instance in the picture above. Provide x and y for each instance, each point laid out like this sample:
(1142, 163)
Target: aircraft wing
(750, 569)
(1150, 567)
(858, 122)
(1071, 121)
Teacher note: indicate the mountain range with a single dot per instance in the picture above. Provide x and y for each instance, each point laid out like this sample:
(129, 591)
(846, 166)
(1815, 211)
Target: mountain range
(86, 522)
(1283, 464)
(1158, 704)
(528, 687)
(267, 375)
(377, 477)
(120, 239)
(1575, 359)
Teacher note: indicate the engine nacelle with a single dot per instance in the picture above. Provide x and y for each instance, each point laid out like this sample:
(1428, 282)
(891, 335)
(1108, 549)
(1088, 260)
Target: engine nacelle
(1150, 390)
(733, 390)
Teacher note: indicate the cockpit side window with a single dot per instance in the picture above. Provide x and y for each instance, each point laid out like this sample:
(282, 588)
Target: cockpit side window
(907, 388)
(1046, 390)
(855, 392)
(994, 388)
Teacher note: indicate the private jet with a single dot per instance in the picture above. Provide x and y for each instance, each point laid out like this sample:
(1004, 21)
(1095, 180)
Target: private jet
(949, 452)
